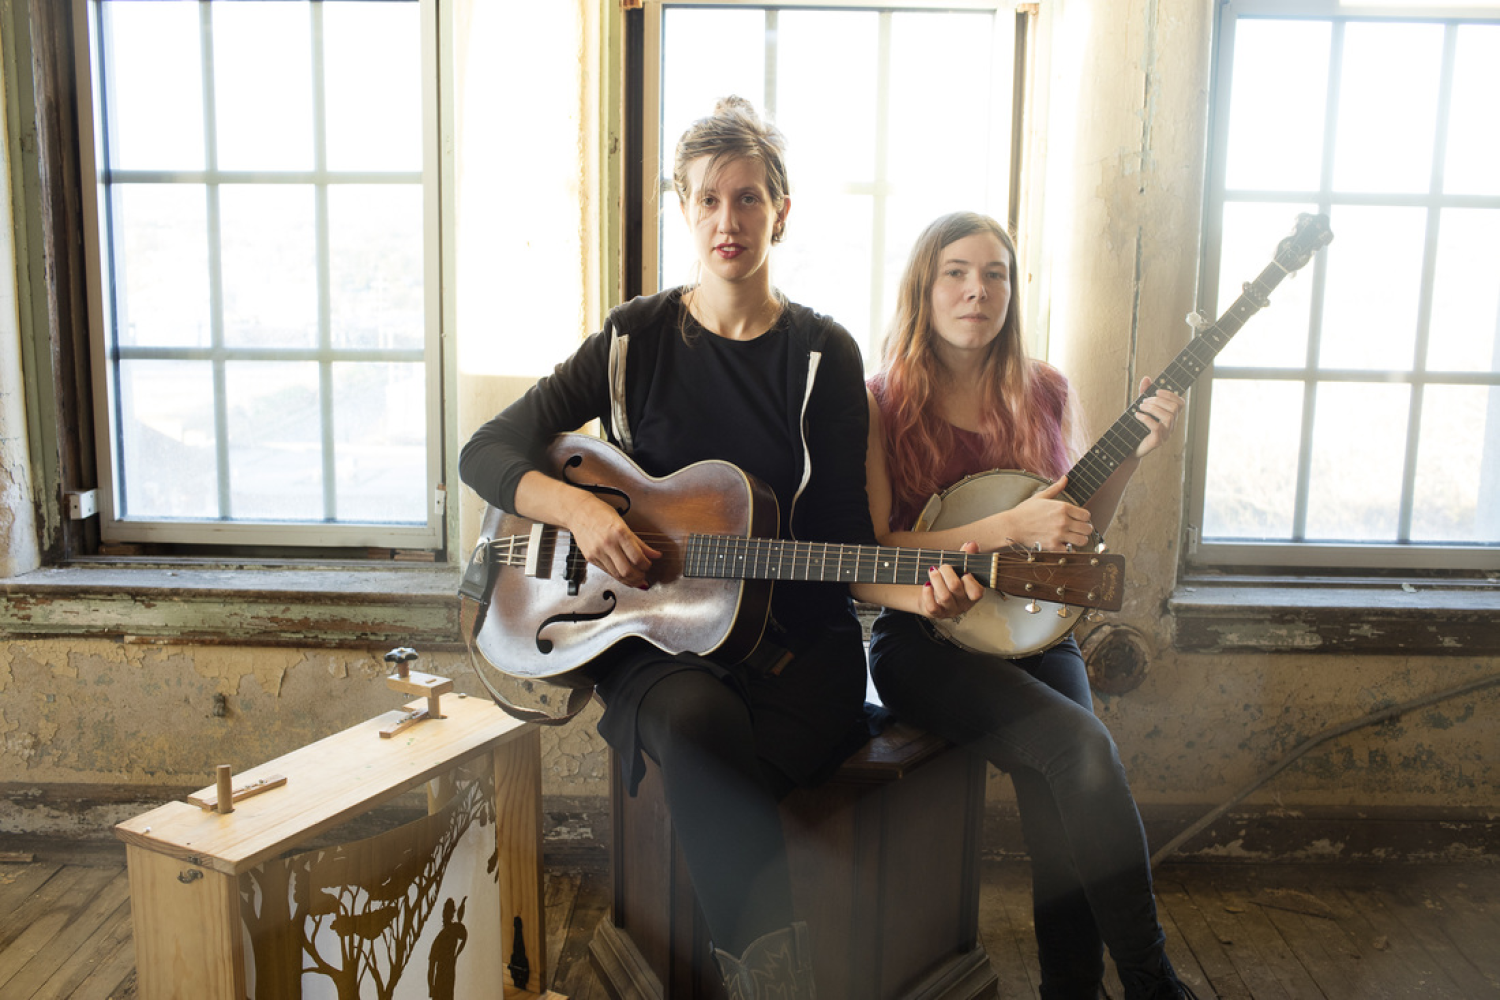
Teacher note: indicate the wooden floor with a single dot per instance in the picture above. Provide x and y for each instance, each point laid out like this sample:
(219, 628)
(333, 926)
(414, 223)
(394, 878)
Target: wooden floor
(1234, 930)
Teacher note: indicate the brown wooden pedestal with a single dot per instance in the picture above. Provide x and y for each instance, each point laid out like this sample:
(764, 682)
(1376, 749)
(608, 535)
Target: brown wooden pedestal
(884, 861)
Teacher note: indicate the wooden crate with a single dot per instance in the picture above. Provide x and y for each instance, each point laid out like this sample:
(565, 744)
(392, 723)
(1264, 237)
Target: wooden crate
(884, 861)
(186, 862)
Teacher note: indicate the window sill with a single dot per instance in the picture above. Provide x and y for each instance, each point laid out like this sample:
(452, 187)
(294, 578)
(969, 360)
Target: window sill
(1249, 614)
(327, 605)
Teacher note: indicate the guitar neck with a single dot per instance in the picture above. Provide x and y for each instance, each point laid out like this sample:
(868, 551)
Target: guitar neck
(1086, 579)
(1125, 435)
(731, 557)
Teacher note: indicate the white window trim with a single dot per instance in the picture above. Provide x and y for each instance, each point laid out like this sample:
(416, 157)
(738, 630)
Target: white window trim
(437, 238)
(1290, 555)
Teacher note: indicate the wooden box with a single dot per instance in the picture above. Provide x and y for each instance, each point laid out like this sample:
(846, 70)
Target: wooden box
(884, 861)
(219, 903)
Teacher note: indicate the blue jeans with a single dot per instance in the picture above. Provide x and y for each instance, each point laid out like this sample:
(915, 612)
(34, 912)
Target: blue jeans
(1033, 717)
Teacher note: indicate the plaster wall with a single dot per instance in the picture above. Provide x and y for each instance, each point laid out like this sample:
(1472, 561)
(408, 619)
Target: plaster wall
(148, 716)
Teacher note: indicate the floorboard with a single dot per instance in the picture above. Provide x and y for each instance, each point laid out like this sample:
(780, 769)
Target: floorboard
(1234, 930)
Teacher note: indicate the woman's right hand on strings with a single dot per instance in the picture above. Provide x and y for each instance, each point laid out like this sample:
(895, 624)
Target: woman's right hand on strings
(607, 542)
(1041, 519)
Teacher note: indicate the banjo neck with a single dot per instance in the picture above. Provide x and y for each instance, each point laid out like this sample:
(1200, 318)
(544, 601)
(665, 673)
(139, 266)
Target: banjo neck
(1119, 442)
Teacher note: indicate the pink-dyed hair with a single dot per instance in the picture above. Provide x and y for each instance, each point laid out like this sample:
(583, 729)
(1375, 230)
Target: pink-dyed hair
(917, 438)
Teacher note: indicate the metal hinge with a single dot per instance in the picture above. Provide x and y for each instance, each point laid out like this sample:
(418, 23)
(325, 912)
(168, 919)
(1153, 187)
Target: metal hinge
(440, 498)
(82, 504)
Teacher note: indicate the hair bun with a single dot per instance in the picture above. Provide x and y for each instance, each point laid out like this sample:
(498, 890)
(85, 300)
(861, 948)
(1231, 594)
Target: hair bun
(734, 104)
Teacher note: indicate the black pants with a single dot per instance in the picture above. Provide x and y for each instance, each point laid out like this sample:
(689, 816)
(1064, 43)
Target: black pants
(723, 803)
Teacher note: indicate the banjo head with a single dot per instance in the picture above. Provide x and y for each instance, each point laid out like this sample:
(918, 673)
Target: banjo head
(999, 625)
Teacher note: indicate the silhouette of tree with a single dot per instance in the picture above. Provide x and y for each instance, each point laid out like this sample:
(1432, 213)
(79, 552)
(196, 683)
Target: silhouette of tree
(354, 913)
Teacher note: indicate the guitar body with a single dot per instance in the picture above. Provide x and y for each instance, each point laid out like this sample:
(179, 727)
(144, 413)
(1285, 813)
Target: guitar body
(549, 612)
(1000, 624)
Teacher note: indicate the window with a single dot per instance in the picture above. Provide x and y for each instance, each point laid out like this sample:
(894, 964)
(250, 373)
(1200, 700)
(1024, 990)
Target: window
(1356, 422)
(264, 316)
(872, 102)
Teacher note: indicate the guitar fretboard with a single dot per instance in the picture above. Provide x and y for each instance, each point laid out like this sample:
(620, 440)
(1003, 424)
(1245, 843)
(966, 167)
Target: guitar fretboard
(1125, 434)
(732, 557)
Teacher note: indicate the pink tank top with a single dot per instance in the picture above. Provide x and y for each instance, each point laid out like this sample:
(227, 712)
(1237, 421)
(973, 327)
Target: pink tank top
(968, 457)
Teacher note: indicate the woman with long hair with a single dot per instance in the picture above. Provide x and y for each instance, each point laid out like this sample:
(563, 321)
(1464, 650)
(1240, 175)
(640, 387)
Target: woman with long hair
(956, 394)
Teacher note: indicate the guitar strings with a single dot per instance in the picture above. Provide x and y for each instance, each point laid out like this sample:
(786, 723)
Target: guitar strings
(908, 565)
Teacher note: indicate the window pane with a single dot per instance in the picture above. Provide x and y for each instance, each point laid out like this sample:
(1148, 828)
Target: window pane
(941, 94)
(1276, 116)
(373, 85)
(872, 104)
(1457, 494)
(1386, 118)
(375, 264)
(1465, 329)
(1472, 165)
(379, 420)
(1253, 444)
(826, 258)
(263, 85)
(1359, 450)
(167, 440)
(711, 54)
(270, 266)
(1275, 337)
(1374, 286)
(154, 86)
(826, 148)
(161, 276)
(275, 441)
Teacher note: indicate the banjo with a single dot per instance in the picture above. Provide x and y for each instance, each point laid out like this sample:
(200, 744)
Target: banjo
(1007, 627)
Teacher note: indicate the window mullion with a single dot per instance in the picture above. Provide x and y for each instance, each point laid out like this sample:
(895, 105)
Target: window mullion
(881, 193)
(325, 279)
(1315, 319)
(1429, 278)
(215, 265)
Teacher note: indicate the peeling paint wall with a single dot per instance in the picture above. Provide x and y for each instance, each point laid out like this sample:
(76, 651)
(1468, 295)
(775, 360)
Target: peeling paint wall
(105, 713)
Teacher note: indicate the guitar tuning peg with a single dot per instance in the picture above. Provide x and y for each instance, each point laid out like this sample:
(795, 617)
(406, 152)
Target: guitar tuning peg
(1197, 320)
(1093, 615)
(1032, 607)
(1064, 611)
(1100, 547)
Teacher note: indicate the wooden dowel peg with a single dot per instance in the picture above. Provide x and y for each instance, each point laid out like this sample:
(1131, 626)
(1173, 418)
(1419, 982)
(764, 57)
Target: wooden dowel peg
(226, 789)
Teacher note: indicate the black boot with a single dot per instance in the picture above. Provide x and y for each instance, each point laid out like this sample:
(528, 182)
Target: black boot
(1161, 984)
(776, 966)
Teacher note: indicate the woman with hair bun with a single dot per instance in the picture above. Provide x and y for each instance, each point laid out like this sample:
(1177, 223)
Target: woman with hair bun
(724, 369)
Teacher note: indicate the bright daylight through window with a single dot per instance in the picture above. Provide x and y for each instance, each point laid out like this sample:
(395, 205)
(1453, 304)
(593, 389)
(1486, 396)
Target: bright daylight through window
(869, 101)
(263, 336)
(1357, 421)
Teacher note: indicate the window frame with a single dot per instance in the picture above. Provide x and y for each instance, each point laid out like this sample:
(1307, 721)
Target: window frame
(1265, 557)
(315, 537)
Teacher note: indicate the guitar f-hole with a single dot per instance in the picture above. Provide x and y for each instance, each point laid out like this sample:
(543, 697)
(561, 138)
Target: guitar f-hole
(598, 489)
(544, 646)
